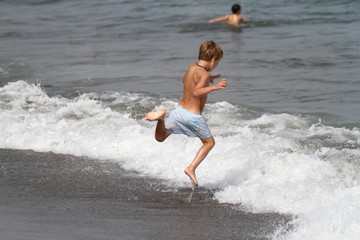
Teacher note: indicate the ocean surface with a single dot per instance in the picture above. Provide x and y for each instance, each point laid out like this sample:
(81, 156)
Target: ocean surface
(77, 77)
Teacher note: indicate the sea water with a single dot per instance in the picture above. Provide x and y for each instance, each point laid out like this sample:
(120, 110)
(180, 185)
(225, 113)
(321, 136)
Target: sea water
(77, 78)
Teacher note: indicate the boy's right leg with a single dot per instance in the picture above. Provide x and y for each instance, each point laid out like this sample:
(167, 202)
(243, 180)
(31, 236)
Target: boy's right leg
(208, 144)
(160, 133)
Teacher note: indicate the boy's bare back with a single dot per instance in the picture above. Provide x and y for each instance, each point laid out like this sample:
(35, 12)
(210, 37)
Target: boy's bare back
(235, 19)
(197, 81)
(194, 77)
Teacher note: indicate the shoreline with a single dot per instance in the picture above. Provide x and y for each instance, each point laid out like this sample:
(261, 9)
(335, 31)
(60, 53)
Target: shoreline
(54, 196)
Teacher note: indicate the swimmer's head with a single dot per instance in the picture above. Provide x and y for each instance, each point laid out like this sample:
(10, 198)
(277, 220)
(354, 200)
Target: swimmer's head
(235, 8)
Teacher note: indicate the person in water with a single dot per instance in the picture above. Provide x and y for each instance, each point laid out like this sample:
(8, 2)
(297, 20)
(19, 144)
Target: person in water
(187, 118)
(234, 18)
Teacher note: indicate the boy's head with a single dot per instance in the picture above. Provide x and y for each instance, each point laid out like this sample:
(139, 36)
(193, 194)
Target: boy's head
(210, 50)
(236, 8)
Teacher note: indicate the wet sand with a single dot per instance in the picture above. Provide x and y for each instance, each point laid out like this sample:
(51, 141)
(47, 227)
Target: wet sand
(52, 196)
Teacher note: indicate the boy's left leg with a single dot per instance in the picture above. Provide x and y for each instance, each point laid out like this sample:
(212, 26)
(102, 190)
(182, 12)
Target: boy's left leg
(160, 133)
(208, 144)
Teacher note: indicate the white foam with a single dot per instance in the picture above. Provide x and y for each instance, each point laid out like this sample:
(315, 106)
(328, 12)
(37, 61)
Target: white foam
(264, 162)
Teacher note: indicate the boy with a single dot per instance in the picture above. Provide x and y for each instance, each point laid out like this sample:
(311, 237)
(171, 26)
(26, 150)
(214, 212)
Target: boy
(187, 118)
(234, 18)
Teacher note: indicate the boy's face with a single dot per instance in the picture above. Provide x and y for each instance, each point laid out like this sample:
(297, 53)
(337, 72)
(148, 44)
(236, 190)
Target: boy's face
(214, 63)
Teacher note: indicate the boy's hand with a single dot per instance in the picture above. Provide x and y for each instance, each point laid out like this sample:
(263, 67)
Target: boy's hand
(220, 85)
(214, 77)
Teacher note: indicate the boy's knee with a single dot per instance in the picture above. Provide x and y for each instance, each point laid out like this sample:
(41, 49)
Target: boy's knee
(159, 139)
(210, 142)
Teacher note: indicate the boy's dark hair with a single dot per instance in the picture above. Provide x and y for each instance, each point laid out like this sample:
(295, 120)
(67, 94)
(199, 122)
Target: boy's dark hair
(235, 8)
(209, 50)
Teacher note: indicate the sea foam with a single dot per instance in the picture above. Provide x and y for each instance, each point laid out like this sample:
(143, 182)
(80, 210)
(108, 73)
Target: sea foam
(262, 162)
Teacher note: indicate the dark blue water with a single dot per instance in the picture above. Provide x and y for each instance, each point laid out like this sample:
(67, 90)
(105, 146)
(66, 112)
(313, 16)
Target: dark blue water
(293, 56)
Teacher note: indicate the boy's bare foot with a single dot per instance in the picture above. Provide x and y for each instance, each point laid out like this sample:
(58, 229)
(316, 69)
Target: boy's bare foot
(153, 116)
(192, 176)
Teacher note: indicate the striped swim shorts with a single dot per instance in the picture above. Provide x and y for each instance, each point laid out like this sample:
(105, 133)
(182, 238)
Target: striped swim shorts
(181, 121)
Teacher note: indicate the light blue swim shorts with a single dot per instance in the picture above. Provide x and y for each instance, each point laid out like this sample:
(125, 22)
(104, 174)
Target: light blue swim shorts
(181, 121)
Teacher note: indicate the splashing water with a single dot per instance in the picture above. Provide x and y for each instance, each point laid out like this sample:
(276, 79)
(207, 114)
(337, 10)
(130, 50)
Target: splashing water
(262, 162)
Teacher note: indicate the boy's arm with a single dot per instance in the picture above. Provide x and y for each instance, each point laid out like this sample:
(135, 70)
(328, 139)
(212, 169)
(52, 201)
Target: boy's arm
(219, 19)
(202, 86)
(243, 20)
(214, 77)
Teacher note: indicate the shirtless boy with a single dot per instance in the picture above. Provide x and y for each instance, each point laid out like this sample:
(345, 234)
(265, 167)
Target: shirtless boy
(187, 118)
(234, 18)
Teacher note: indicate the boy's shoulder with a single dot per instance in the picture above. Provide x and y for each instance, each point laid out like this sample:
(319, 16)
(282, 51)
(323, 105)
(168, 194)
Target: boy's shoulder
(194, 71)
(199, 73)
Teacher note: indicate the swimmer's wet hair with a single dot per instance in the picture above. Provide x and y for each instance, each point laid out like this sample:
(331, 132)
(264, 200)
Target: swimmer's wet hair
(209, 50)
(235, 8)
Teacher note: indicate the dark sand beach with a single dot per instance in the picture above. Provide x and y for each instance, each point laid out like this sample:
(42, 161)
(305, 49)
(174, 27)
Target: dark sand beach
(52, 196)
